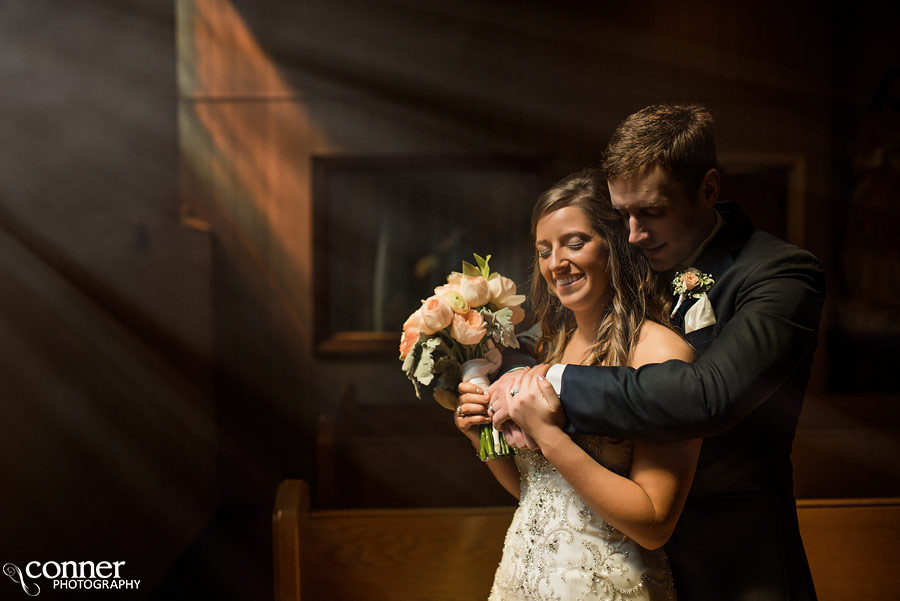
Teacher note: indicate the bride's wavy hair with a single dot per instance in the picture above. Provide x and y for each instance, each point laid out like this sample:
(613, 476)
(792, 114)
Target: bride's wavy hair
(635, 292)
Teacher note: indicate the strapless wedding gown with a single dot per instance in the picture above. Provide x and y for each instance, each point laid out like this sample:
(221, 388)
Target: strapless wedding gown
(557, 548)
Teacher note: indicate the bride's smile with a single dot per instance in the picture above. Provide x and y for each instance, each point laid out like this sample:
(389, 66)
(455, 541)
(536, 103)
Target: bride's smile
(565, 282)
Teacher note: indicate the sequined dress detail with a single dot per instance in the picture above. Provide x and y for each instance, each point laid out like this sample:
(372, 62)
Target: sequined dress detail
(557, 548)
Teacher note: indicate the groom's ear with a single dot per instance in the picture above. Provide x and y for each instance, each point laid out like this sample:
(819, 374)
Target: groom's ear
(708, 193)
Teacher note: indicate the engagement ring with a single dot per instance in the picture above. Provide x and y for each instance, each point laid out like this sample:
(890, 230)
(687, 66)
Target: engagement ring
(513, 391)
(459, 411)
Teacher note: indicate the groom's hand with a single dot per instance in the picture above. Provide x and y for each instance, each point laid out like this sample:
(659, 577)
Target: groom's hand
(516, 437)
(541, 388)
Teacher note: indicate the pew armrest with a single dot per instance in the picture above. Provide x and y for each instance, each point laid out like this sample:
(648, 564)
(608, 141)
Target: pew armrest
(290, 511)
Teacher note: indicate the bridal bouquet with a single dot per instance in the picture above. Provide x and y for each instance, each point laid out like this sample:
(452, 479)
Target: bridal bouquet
(455, 337)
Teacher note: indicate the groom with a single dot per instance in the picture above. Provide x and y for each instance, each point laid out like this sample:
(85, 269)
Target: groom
(755, 333)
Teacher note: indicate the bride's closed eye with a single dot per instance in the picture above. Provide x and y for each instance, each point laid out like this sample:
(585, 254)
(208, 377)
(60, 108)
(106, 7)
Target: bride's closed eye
(576, 243)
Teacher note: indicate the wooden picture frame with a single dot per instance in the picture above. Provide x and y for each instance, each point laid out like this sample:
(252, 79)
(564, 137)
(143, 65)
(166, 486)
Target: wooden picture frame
(771, 188)
(387, 230)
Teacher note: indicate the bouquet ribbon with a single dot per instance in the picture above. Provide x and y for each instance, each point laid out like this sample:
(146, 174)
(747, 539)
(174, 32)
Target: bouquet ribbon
(477, 371)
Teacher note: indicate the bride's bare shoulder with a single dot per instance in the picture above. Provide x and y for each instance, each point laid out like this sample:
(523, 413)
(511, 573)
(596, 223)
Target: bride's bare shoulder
(657, 344)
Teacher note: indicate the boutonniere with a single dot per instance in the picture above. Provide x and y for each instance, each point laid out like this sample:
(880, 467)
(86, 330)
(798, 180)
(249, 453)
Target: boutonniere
(690, 283)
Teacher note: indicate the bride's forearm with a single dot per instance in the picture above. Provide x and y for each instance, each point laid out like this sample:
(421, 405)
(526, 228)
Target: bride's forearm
(620, 501)
(507, 474)
(504, 470)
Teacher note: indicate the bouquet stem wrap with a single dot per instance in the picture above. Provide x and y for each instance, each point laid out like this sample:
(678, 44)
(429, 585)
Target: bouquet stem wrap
(493, 444)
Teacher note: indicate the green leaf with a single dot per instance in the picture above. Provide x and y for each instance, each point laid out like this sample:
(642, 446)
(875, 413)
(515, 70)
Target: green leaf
(409, 364)
(470, 270)
(500, 327)
(425, 369)
(485, 271)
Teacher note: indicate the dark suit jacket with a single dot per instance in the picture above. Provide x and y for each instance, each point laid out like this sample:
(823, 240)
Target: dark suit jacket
(738, 537)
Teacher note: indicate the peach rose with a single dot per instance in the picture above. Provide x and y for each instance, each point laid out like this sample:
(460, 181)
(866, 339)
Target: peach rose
(414, 320)
(408, 340)
(468, 328)
(436, 315)
(475, 290)
(690, 280)
(503, 292)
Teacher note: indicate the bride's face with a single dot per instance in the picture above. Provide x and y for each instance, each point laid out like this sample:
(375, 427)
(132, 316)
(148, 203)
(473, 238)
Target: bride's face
(574, 260)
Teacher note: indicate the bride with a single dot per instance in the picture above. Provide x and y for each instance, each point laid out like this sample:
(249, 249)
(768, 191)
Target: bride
(593, 511)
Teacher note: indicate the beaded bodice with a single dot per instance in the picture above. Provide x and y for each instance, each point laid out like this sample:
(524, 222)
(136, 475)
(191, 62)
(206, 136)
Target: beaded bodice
(557, 548)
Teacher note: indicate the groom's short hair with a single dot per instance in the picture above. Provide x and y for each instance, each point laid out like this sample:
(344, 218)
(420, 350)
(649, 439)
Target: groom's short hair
(677, 136)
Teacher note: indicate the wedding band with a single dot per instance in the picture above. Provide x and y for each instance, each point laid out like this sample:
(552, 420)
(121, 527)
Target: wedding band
(513, 391)
(491, 409)
(459, 411)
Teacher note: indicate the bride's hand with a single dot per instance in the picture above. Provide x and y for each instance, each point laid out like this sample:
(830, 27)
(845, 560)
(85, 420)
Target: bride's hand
(536, 407)
(471, 410)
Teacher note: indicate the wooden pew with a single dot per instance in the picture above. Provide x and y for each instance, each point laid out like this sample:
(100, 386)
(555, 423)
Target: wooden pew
(852, 546)
(383, 554)
(451, 554)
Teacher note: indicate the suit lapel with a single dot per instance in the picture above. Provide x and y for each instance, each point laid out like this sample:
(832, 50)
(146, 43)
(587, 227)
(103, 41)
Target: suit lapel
(715, 262)
(719, 255)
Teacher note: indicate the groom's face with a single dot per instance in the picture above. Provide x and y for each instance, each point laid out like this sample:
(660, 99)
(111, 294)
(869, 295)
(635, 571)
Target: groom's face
(666, 224)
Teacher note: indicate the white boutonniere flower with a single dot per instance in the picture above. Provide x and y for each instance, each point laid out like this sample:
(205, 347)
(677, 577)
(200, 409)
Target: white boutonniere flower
(692, 283)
